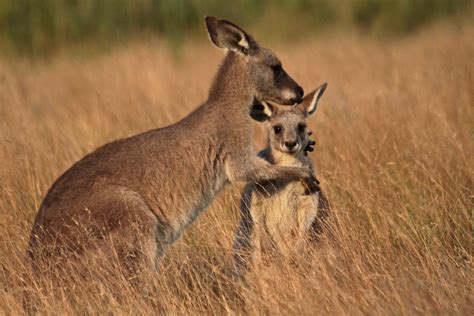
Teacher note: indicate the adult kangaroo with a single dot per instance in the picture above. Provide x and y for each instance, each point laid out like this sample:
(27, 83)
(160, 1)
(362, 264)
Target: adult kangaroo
(159, 181)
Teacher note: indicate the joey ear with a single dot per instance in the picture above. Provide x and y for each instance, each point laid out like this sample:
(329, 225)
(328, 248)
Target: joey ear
(261, 111)
(227, 35)
(311, 100)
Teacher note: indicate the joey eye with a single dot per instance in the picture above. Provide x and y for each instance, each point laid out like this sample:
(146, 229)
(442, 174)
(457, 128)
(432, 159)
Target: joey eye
(301, 127)
(277, 129)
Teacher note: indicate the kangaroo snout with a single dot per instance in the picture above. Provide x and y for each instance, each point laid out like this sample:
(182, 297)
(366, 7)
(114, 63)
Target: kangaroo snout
(299, 94)
(293, 95)
(291, 144)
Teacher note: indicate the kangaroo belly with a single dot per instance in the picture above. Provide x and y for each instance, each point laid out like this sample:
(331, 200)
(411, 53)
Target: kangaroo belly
(288, 216)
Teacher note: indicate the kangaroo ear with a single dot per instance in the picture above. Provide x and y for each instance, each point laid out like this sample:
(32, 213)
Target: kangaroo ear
(227, 35)
(261, 111)
(311, 100)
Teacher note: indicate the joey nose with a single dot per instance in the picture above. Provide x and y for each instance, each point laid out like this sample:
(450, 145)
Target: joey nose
(290, 144)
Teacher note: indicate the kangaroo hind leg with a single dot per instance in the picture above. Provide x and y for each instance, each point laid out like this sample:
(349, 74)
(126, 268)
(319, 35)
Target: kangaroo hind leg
(127, 229)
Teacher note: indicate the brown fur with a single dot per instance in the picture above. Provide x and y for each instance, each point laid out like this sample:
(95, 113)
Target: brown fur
(277, 216)
(158, 182)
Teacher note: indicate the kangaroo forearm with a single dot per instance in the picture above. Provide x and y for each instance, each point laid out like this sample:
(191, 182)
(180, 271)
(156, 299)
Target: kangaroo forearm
(284, 173)
(265, 172)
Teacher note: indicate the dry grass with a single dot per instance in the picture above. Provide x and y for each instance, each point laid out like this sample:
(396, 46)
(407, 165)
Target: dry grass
(395, 156)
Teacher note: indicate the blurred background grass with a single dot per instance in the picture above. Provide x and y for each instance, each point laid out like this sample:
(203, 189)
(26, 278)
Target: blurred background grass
(38, 28)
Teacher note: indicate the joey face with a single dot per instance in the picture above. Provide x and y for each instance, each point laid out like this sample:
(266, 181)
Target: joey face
(288, 131)
(266, 77)
(287, 127)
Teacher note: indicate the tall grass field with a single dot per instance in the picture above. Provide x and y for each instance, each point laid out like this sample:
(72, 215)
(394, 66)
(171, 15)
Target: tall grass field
(40, 28)
(395, 156)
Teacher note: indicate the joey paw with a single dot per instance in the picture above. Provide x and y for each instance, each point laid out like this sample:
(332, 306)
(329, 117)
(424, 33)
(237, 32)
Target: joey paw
(310, 146)
(311, 185)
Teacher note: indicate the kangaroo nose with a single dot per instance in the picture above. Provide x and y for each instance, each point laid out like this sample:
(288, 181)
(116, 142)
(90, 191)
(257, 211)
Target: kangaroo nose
(299, 92)
(290, 144)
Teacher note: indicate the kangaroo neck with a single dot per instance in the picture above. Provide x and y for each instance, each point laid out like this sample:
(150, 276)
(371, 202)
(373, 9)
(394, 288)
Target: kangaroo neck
(231, 83)
(230, 96)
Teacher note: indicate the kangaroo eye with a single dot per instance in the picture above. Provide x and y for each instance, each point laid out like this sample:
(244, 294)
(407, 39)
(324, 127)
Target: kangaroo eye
(277, 129)
(277, 69)
(301, 127)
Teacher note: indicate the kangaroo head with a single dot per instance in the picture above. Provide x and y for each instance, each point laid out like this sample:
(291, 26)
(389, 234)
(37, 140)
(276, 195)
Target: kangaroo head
(287, 127)
(266, 77)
